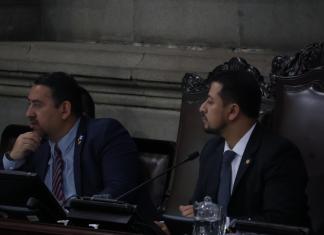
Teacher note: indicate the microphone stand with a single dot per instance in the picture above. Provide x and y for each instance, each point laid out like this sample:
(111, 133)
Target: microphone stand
(191, 157)
(117, 213)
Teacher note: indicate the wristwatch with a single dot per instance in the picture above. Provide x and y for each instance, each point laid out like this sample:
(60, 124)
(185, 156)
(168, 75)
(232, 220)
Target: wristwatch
(7, 155)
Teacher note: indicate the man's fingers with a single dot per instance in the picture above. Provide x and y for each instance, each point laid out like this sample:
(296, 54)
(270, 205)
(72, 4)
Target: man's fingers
(28, 141)
(163, 227)
(29, 144)
(187, 210)
(34, 136)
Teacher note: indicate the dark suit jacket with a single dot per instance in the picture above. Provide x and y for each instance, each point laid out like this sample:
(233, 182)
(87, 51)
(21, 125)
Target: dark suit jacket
(105, 158)
(270, 183)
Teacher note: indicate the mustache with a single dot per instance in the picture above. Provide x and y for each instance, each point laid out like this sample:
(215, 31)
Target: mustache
(202, 115)
(33, 121)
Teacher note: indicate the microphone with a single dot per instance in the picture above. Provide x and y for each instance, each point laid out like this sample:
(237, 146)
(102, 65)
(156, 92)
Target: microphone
(191, 157)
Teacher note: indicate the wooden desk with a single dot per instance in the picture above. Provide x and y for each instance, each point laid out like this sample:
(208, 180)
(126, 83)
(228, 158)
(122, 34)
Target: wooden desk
(17, 227)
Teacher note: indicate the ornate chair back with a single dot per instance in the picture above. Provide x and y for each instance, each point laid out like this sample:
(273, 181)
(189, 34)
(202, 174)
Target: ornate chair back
(299, 116)
(191, 137)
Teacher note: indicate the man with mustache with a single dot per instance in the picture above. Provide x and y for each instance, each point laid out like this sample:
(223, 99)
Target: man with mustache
(251, 172)
(73, 154)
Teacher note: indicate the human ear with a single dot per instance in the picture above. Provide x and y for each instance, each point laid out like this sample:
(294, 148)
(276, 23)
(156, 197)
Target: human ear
(234, 111)
(65, 109)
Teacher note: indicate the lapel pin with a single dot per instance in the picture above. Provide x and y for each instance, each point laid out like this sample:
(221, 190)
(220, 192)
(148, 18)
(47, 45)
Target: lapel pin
(247, 161)
(79, 140)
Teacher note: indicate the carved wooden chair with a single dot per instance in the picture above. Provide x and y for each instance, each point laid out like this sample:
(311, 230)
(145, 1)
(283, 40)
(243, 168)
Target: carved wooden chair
(299, 116)
(191, 137)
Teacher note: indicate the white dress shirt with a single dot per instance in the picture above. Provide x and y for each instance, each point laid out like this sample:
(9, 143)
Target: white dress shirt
(239, 149)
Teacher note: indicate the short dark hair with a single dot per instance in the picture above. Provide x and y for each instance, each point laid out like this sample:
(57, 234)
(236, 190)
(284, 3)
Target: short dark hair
(240, 87)
(88, 105)
(63, 87)
(238, 64)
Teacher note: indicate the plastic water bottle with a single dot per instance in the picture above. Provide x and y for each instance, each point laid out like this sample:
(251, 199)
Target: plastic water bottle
(208, 218)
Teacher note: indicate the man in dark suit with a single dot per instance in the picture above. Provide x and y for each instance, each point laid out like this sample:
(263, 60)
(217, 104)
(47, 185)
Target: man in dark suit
(74, 155)
(263, 177)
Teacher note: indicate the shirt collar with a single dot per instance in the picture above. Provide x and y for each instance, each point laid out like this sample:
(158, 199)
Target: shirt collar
(240, 146)
(66, 141)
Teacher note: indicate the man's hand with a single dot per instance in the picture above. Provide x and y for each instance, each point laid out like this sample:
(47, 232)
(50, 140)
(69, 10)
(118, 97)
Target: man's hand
(187, 210)
(163, 227)
(27, 142)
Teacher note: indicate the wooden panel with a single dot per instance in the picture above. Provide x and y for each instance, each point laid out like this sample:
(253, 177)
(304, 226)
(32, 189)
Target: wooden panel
(11, 227)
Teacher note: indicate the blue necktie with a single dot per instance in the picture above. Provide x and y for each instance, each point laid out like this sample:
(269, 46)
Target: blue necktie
(225, 182)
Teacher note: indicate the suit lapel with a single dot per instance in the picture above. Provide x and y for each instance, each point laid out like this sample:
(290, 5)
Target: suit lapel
(44, 154)
(78, 147)
(214, 167)
(248, 156)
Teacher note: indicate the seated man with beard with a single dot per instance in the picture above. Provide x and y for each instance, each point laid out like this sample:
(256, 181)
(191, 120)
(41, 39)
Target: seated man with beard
(73, 154)
(249, 171)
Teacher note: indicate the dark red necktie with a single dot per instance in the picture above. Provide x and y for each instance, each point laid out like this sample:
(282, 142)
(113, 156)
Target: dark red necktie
(57, 180)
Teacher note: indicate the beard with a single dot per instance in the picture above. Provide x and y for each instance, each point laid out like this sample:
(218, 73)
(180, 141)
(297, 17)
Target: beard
(217, 130)
(34, 125)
